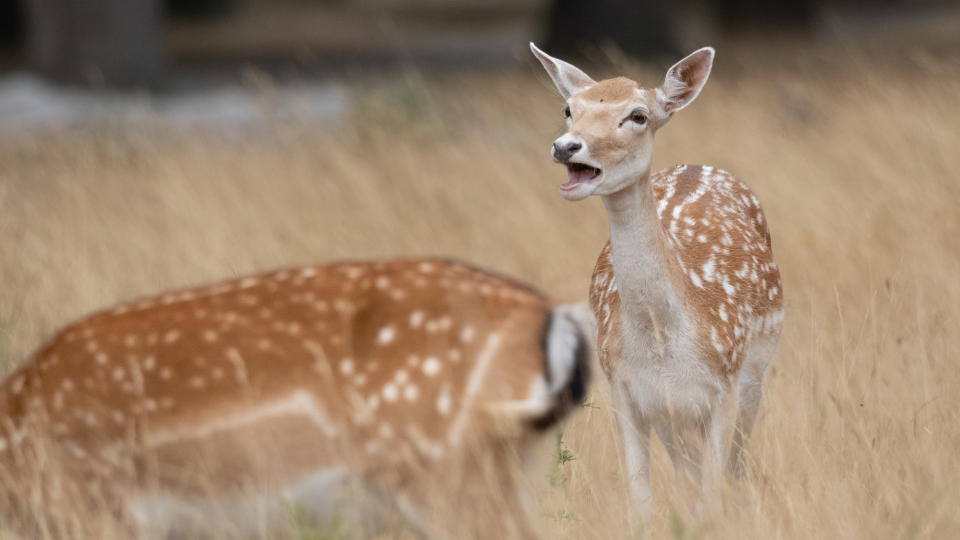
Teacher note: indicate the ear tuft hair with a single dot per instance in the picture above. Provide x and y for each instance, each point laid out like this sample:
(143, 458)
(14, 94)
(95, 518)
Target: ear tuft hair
(673, 87)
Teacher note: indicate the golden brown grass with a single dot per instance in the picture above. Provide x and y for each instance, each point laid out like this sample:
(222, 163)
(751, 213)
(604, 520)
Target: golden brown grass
(855, 161)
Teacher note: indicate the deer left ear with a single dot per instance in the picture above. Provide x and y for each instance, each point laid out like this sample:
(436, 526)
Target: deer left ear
(685, 80)
(568, 78)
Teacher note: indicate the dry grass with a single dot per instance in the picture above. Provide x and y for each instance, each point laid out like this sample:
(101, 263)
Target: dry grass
(856, 164)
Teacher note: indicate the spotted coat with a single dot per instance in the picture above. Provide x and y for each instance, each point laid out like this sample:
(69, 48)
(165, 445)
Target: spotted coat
(368, 366)
(717, 249)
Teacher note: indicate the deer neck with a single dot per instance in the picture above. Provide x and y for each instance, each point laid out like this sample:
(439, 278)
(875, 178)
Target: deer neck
(639, 266)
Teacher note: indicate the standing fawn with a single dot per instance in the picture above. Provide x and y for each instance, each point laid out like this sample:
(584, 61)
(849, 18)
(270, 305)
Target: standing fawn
(686, 295)
(413, 382)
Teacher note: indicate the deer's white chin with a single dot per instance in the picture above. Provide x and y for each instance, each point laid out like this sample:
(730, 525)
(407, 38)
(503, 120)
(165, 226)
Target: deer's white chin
(578, 191)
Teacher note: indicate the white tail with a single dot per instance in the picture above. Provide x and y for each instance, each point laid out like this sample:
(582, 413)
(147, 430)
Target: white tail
(403, 376)
(687, 296)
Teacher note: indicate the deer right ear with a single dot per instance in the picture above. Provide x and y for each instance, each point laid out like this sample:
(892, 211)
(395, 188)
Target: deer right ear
(567, 77)
(685, 80)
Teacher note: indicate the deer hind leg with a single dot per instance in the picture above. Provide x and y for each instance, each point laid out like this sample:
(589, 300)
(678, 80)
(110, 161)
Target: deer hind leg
(717, 426)
(634, 429)
(749, 394)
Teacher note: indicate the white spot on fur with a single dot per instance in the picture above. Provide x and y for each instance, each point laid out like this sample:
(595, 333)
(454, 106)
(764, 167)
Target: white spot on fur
(730, 289)
(431, 366)
(390, 392)
(715, 340)
(171, 336)
(444, 401)
(708, 270)
(386, 334)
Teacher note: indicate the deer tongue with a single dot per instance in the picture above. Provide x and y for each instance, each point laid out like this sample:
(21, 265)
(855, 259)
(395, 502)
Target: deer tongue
(578, 174)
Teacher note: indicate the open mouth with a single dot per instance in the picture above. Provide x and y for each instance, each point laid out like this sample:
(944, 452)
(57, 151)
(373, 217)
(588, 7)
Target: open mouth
(579, 173)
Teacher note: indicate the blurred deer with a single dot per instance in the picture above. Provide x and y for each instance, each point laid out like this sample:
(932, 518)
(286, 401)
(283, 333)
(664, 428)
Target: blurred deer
(408, 386)
(686, 294)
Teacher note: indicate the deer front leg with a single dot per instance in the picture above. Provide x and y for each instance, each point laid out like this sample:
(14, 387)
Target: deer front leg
(634, 430)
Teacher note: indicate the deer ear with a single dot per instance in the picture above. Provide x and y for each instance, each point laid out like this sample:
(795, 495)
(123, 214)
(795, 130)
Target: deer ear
(685, 80)
(567, 77)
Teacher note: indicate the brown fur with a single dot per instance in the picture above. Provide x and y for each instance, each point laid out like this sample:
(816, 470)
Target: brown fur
(611, 90)
(121, 393)
(600, 108)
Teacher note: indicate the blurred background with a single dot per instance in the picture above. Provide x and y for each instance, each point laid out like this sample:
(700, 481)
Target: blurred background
(190, 61)
(154, 144)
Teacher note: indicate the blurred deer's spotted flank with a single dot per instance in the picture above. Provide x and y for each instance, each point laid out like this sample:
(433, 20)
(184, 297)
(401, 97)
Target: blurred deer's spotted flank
(388, 373)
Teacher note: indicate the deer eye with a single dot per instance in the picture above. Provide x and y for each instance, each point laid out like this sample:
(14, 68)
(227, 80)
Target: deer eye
(639, 117)
(566, 111)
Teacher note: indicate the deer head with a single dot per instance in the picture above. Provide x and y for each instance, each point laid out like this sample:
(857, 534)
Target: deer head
(611, 124)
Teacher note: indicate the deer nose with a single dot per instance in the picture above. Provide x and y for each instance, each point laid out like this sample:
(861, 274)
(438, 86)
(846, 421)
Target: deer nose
(563, 151)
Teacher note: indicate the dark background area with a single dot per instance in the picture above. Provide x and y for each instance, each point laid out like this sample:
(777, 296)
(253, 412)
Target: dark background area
(149, 42)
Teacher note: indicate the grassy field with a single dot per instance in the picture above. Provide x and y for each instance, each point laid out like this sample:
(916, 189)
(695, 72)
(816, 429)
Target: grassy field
(855, 160)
